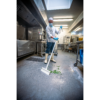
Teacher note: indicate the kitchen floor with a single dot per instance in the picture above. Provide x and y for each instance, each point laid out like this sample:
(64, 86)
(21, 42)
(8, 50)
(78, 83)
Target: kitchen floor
(32, 84)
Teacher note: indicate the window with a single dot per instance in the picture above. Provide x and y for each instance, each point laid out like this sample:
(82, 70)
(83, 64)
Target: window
(58, 4)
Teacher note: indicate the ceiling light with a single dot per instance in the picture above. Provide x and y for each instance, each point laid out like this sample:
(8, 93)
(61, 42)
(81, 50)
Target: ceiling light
(80, 34)
(63, 27)
(78, 28)
(60, 25)
(64, 17)
(62, 20)
(29, 31)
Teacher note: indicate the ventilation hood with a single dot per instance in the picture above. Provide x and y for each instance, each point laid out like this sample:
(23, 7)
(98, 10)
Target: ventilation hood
(26, 15)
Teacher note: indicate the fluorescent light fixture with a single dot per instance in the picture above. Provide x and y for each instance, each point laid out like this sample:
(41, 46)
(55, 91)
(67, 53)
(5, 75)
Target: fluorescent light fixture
(73, 33)
(78, 29)
(80, 34)
(29, 31)
(63, 27)
(63, 17)
(60, 25)
(58, 20)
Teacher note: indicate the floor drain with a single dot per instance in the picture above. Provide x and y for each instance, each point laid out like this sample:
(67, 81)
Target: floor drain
(35, 59)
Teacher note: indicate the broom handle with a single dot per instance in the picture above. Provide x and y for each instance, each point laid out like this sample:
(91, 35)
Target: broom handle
(51, 55)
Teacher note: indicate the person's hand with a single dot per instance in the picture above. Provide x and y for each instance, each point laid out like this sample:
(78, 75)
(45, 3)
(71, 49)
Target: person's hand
(61, 27)
(51, 36)
(56, 38)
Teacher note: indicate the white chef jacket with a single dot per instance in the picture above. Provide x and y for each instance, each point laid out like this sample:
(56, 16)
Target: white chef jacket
(51, 32)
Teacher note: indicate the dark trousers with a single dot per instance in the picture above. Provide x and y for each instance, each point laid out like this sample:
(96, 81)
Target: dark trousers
(50, 46)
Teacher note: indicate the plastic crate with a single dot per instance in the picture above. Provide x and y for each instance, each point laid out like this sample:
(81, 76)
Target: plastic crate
(80, 39)
(81, 56)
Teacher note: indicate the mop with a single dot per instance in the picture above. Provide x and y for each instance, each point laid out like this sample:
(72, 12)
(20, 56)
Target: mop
(45, 69)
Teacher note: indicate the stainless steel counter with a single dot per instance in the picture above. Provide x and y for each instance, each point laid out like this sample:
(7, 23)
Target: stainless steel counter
(78, 42)
(24, 47)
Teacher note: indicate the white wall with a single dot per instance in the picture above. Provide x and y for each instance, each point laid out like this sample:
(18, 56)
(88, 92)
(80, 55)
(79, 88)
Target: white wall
(62, 34)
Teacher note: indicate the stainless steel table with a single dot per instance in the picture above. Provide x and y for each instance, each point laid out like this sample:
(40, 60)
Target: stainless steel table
(77, 60)
(70, 45)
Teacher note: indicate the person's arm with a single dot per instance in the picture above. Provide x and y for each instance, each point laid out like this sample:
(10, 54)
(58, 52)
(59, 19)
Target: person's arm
(57, 32)
(48, 32)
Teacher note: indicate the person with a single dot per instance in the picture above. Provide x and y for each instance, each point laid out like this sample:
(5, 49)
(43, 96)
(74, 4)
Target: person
(50, 30)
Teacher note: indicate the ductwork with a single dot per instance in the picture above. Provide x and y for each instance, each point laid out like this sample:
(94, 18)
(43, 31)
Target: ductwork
(37, 11)
(76, 23)
(26, 15)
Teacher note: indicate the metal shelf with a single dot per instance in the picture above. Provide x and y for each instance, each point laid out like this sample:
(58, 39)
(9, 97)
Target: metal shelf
(77, 60)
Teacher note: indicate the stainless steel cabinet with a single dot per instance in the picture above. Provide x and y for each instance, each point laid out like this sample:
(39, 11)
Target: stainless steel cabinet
(26, 15)
(24, 47)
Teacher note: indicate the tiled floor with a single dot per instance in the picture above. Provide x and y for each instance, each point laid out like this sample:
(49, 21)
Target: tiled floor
(32, 84)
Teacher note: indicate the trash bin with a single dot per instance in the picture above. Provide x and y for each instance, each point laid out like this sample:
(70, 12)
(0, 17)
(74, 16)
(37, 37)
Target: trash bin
(83, 60)
(81, 56)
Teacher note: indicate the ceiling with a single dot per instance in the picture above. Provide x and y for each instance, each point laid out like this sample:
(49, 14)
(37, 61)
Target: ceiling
(74, 11)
